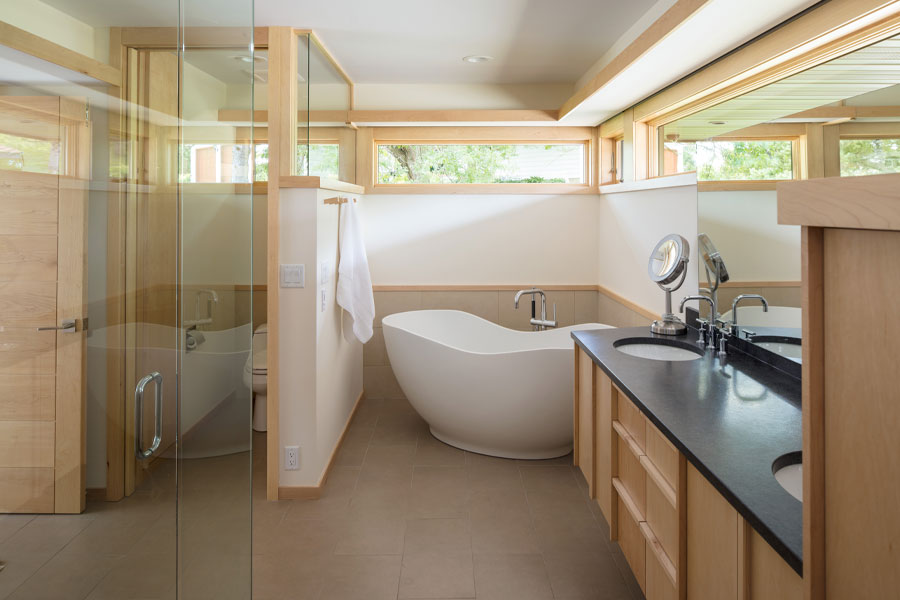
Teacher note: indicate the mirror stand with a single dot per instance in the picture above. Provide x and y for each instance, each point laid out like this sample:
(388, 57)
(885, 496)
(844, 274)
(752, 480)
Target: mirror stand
(670, 324)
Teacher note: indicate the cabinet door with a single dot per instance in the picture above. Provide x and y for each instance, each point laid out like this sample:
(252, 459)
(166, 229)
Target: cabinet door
(584, 416)
(769, 575)
(603, 398)
(712, 541)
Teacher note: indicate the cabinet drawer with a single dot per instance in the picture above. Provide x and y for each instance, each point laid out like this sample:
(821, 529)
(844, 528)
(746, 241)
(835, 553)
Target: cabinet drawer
(631, 419)
(629, 470)
(658, 586)
(662, 454)
(631, 540)
(662, 518)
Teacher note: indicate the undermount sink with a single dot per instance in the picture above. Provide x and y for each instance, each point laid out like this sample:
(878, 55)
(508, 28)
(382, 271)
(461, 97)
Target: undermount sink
(658, 349)
(788, 347)
(788, 471)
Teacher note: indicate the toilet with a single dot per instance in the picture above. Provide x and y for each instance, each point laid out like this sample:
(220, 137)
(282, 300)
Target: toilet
(255, 373)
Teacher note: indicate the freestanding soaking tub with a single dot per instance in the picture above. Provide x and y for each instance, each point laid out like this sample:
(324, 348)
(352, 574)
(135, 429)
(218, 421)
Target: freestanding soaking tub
(485, 388)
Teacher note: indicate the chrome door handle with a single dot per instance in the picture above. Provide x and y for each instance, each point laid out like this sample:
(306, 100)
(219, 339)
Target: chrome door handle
(139, 451)
(67, 326)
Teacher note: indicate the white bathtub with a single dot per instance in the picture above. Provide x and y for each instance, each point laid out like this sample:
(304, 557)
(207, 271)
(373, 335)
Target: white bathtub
(485, 388)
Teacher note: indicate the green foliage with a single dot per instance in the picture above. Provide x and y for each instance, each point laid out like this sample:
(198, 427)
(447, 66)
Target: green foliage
(33, 155)
(870, 157)
(322, 160)
(456, 163)
(739, 160)
(533, 179)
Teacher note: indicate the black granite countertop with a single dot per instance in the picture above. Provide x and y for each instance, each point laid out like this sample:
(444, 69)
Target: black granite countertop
(730, 419)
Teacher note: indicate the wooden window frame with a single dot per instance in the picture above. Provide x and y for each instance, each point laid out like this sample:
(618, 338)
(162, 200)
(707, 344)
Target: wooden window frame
(368, 140)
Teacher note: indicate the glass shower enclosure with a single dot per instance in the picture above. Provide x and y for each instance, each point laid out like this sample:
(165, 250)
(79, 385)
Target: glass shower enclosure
(127, 307)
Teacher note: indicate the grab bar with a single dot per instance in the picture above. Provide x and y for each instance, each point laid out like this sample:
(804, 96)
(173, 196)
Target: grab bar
(139, 451)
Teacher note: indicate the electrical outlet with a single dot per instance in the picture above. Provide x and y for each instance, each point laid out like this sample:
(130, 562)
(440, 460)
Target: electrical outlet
(292, 458)
(324, 297)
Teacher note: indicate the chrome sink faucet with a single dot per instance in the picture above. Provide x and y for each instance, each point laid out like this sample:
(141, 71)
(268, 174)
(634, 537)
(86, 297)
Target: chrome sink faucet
(711, 325)
(738, 300)
(542, 323)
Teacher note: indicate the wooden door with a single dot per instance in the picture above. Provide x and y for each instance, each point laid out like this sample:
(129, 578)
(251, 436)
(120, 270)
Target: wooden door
(43, 205)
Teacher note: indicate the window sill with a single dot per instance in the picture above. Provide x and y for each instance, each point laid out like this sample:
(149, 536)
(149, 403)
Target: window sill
(484, 188)
(739, 186)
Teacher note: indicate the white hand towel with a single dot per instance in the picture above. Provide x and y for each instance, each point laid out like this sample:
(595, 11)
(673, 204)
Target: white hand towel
(354, 287)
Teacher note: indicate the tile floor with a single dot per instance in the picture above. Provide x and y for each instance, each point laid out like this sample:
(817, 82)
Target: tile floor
(404, 516)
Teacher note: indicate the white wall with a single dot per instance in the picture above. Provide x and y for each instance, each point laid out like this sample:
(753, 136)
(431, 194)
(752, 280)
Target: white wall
(320, 372)
(744, 227)
(630, 225)
(484, 239)
(54, 25)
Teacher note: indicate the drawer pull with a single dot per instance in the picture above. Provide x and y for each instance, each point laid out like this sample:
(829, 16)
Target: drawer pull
(627, 500)
(657, 477)
(628, 439)
(664, 561)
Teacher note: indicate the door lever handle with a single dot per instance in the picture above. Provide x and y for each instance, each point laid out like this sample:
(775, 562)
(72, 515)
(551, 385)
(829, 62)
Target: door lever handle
(67, 326)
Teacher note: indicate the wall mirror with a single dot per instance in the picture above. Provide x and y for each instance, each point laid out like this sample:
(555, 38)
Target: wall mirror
(841, 118)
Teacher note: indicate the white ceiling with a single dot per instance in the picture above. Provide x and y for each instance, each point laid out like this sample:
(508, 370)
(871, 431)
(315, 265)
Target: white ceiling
(414, 41)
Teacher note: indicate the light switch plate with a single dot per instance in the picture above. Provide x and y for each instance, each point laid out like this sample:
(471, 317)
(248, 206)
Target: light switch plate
(293, 276)
(324, 272)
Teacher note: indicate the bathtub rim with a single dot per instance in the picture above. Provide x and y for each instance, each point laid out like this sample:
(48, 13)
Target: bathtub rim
(568, 328)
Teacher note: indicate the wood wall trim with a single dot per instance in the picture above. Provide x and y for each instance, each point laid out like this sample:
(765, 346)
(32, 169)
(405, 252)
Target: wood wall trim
(812, 415)
(680, 12)
(870, 202)
(759, 284)
(282, 141)
(484, 288)
(484, 188)
(736, 186)
(494, 133)
(644, 312)
(831, 30)
(313, 182)
(23, 41)
(195, 37)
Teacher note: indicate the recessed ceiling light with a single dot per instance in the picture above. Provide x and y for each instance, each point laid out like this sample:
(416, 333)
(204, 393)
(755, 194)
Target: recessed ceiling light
(717, 122)
(477, 58)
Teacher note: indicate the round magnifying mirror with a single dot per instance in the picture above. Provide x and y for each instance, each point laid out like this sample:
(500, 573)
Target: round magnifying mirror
(712, 260)
(668, 259)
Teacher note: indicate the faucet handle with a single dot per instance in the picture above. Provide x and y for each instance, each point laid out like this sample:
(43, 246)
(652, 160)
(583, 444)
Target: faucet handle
(702, 329)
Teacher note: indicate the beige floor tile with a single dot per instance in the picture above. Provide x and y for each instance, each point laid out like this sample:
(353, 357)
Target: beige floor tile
(559, 502)
(10, 524)
(351, 454)
(492, 503)
(362, 578)
(503, 533)
(546, 478)
(138, 576)
(285, 577)
(506, 576)
(437, 535)
(334, 503)
(390, 457)
(432, 452)
(398, 428)
(480, 303)
(299, 536)
(583, 575)
(492, 476)
(569, 534)
(438, 492)
(377, 535)
(437, 575)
